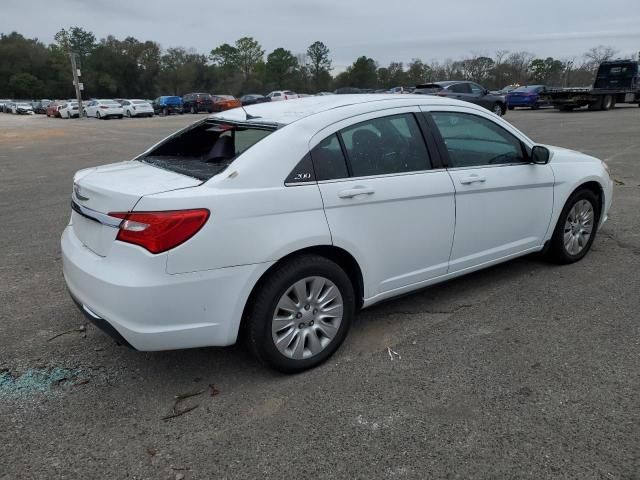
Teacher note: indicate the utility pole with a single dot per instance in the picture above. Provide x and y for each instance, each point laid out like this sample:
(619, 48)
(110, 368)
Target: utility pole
(76, 82)
(569, 67)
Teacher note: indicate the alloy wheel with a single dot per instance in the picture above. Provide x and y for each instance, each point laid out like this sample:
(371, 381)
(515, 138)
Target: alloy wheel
(497, 109)
(307, 317)
(578, 227)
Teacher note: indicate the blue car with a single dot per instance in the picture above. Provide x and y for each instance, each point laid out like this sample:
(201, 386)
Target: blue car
(528, 96)
(167, 105)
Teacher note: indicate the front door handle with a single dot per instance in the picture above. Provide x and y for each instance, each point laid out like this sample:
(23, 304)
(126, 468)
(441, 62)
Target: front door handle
(472, 179)
(355, 191)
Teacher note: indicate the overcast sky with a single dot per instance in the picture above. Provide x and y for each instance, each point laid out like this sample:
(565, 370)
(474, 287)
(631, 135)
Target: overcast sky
(384, 30)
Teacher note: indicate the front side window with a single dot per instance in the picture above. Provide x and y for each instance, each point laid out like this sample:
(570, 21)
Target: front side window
(476, 89)
(385, 145)
(472, 140)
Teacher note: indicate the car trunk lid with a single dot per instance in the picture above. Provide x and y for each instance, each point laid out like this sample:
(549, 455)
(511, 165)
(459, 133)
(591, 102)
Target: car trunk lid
(116, 188)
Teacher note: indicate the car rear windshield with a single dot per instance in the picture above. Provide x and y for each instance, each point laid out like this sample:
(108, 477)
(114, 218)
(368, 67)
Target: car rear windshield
(207, 148)
(289, 92)
(139, 102)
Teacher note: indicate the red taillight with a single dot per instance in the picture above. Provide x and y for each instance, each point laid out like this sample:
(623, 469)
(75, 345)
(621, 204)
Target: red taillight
(442, 93)
(160, 231)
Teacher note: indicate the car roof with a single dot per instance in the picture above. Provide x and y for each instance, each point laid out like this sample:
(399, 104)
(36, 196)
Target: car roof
(284, 113)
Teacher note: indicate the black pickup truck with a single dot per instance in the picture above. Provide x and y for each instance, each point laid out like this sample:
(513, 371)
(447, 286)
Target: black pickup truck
(617, 81)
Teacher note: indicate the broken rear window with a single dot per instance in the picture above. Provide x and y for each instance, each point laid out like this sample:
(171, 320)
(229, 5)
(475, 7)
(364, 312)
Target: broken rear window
(207, 148)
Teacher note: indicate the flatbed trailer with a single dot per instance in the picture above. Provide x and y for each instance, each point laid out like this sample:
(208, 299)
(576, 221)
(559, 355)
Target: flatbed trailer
(617, 81)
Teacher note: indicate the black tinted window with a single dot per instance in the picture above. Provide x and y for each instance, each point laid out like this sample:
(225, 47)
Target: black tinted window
(473, 141)
(460, 88)
(328, 160)
(385, 145)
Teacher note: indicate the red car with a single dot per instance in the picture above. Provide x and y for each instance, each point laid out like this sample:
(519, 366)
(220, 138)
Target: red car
(53, 110)
(225, 102)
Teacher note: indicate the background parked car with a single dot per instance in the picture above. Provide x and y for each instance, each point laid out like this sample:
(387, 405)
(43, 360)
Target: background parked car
(137, 108)
(467, 91)
(197, 102)
(225, 102)
(167, 104)
(53, 109)
(41, 106)
(401, 90)
(69, 110)
(278, 95)
(22, 108)
(253, 98)
(103, 109)
(527, 96)
(505, 90)
(3, 103)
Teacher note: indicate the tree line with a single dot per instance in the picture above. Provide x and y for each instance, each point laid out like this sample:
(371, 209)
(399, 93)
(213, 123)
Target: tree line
(131, 68)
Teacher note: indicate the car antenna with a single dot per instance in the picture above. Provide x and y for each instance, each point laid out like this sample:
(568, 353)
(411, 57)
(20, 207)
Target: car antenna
(248, 116)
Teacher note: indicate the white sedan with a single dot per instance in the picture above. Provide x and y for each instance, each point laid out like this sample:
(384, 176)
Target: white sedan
(279, 95)
(69, 110)
(286, 221)
(103, 109)
(137, 108)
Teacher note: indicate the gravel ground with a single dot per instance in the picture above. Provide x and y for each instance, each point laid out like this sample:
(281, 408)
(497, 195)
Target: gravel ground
(524, 370)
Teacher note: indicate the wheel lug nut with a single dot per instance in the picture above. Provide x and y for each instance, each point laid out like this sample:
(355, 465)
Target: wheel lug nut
(298, 315)
(315, 310)
(311, 323)
(306, 307)
(301, 325)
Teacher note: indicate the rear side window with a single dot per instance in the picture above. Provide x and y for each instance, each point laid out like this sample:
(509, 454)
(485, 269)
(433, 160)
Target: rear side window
(460, 88)
(472, 140)
(328, 161)
(385, 145)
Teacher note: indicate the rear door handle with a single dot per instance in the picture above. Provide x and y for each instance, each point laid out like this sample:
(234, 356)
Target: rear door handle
(472, 179)
(355, 191)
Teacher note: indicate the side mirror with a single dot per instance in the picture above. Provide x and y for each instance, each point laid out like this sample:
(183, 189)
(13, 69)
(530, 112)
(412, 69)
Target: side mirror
(540, 155)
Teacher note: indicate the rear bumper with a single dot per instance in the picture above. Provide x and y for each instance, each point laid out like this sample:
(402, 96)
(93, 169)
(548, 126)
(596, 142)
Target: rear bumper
(170, 108)
(101, 323)
(130, 295)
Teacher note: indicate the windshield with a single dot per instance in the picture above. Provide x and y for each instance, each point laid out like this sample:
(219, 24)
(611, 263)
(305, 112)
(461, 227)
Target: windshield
(207, 148)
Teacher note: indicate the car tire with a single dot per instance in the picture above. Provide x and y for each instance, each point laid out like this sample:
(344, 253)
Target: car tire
(580, 214)
(608, 102)
(276, 294)
(498, 109)
(165, 111)
(98, 116)
(128, 113)
(192, 110)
